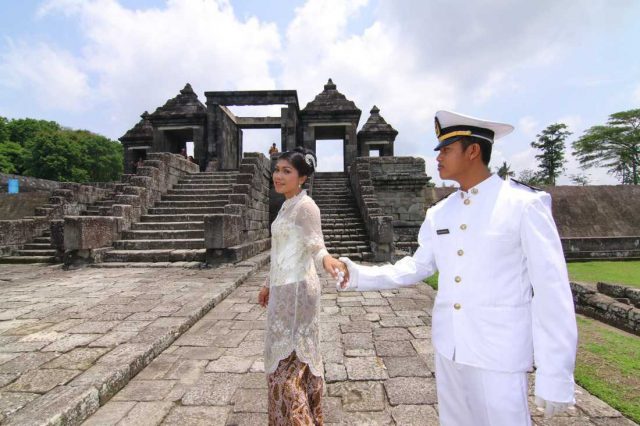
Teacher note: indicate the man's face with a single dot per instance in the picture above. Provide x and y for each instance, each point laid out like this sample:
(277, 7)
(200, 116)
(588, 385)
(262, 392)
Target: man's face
(452, 161)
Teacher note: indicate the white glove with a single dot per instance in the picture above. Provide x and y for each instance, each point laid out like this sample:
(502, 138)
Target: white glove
(551, 408)
(352, 274)
(340, 275)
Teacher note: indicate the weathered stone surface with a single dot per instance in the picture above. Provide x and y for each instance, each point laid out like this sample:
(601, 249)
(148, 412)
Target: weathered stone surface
(365, 368)
(424, 415)
(250, 401)
(213, 389)
(63, 405)
(230, 364)
(145, 390)
(110, 414)
(411, 390)
(77, 359)
(410, 366)
(42, 381)
(394, 348)
(10, 402)
(147, 413)
(359, 396)
(197, 416)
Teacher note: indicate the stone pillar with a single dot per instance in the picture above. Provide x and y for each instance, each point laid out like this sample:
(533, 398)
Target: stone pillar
(350, 146)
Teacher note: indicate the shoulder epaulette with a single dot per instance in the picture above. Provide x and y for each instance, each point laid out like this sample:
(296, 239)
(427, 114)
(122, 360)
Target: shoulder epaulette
(528, 186)
(436, 202)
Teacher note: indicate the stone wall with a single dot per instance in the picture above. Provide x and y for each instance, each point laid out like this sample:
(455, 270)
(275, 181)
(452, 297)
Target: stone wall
(21, 205)
(242, 230)
(68, 199)
(402, 188)
(28, 183)
(618, 311)
(379, 226)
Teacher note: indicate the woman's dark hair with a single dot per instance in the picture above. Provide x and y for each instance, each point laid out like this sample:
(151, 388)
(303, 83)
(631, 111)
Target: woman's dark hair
(302, 159)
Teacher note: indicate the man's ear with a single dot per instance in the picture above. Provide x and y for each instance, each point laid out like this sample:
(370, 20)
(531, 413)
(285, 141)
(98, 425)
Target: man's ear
(474, 151)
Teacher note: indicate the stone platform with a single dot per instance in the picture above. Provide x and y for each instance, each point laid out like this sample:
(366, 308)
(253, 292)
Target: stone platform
(184, 346)
(378, 363)
(70, 340)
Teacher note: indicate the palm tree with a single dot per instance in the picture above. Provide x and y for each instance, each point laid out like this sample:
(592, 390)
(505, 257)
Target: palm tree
(504, 171)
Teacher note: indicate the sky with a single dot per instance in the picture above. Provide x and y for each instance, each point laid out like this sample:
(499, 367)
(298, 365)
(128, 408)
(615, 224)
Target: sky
(99, 64)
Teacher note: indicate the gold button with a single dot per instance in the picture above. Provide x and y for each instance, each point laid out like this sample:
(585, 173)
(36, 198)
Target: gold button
(474, 190)
(460, 252)
(467, 201)
(457, 306)
(458, 279)
(463, 226)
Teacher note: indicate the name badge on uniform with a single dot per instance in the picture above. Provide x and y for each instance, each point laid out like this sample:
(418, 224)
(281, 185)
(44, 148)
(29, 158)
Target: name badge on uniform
(442, 231)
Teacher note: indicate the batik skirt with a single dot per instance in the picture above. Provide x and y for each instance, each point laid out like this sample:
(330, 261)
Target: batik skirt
(295, 394)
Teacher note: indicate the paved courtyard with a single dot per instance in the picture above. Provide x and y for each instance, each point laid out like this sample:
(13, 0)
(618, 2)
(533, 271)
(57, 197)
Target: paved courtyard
(184, 346)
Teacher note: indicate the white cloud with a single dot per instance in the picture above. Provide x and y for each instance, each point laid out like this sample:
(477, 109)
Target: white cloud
(51, 76)
(137, 59)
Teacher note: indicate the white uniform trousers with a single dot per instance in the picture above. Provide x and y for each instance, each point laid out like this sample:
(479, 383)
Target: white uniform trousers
(472, 396)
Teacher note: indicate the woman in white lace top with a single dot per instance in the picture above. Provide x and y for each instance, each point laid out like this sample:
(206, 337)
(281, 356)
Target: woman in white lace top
(291, 294)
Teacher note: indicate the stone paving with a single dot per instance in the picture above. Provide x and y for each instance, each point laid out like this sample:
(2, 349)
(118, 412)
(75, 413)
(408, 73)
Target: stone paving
(378, 367)
(69, 340)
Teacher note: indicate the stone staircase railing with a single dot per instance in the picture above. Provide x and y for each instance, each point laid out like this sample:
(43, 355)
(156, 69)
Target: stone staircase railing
(242, 230)
(601, 248)
(86, 238)
(379, 226)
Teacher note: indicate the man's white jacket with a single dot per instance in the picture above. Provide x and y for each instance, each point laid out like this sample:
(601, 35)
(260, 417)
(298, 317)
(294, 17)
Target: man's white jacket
(503, 291)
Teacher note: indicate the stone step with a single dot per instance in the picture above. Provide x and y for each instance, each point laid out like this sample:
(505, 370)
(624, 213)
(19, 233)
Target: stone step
(39, 240)
(201, 186)
(185, 210)
(215, 197)
(37, 252)
(168, 226)
(155, 256)
(192, 243)
(37, 246)
(27, 259)
(191, 204)
(172, 218)
(106, 203)
(330, 236)
(163, 234)
(208, 179)
(218, 191)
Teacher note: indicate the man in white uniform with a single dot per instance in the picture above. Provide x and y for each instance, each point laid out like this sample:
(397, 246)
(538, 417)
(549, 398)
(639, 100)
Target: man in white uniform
(504, 301)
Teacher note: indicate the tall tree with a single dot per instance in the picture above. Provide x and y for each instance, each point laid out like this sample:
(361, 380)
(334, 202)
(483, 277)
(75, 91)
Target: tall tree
(615, 146)
(12, 157)
(504, 171)
(22, 130)
(551, 143)
(530, 177)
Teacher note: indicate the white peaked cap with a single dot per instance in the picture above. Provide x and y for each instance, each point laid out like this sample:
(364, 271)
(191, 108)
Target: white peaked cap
(451, 126)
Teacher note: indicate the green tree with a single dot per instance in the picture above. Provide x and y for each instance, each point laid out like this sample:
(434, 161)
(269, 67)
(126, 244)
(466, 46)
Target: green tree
(12, 157)
(24, 129)
(4, 130)
(530, 177)
(615, 146)
(504, 171)
(102, 157)
(580, 179)
(551, 143)
(55, 156)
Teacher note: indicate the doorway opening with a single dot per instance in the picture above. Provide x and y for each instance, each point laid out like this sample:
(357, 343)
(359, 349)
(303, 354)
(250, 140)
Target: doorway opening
(330, 155)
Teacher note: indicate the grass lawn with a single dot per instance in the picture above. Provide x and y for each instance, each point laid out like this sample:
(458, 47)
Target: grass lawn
(620, 272)
(608, 365)
(433, 281)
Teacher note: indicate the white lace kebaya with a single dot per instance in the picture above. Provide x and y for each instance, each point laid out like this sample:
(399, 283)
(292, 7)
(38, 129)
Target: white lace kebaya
(294, 287)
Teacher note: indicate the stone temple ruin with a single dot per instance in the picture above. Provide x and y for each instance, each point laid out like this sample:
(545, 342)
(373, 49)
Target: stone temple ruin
(218, 209)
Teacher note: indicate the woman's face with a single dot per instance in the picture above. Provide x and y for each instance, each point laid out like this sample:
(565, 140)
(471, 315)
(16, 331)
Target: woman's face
(286, 179)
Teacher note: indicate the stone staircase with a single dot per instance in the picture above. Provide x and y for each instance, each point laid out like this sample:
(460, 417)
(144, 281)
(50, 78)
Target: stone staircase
(173, 229)
(39, 250)
(100, 208)
(342, 225)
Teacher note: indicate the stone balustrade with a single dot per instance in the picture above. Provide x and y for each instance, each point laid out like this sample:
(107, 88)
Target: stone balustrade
(378, 225)
(242, 230)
